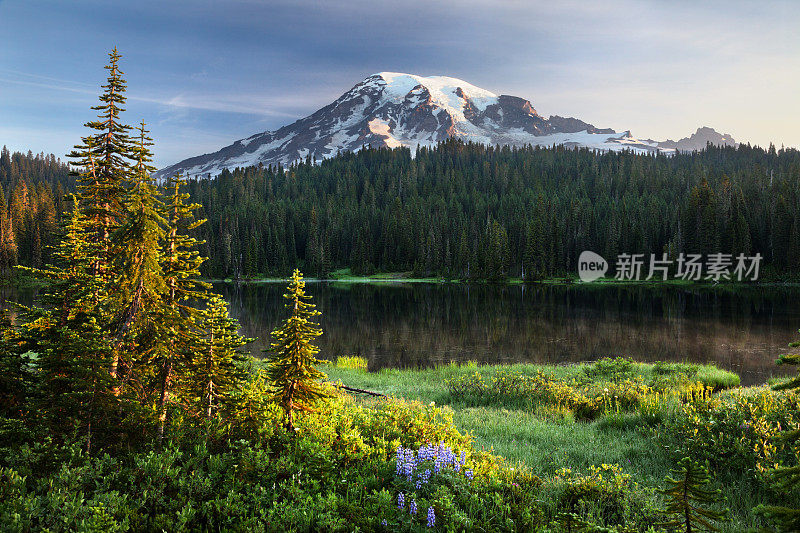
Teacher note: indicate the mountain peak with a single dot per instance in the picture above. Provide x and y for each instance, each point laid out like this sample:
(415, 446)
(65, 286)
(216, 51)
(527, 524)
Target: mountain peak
(399, 84)
(699, 139)
(395, 109)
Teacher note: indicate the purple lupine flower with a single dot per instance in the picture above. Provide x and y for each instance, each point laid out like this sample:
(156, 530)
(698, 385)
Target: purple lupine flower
(412, 508)
(426, 476)
(401, 501)
(399, 459)
(384, 522)
(463, 457)
(469, 474)
(431, 517)
(408, 470)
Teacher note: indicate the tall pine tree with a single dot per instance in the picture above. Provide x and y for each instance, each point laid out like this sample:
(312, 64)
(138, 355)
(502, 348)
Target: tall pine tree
(296, 382)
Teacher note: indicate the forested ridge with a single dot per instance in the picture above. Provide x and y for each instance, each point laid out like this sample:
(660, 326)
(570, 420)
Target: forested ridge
(458, 210)
(471, 211)
(32, 189)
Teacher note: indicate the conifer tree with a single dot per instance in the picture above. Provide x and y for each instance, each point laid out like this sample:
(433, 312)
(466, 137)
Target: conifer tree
(687, 496)
(217, 370)
(68, 335)
(8, 241)
(138, 285)
(181, 260)
(295, 380)
(787, 479)
(179, 319)
(119, 324)
(103, 163)
(104, 159)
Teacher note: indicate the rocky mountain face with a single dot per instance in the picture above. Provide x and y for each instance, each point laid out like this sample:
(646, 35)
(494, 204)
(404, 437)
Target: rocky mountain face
(699, 139)
(393, 109)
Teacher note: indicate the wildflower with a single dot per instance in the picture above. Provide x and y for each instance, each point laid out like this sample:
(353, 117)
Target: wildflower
(412, 508)
(401, 501)
(469, 474)
(431, 517)
(384, 522)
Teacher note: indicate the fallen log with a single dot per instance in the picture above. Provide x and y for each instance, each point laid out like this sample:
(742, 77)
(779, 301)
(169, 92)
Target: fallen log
(360, 391)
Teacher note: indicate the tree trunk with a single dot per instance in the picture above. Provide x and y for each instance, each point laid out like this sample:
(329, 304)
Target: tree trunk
(289, 407)
(166, 376)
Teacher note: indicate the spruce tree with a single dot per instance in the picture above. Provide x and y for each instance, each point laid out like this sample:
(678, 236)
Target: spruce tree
(787, 479)
(687, 496)
(296, 382)
(179, 319)
(104, 159)
(103, 163)
(138, 285)
(67, 332)
(217, 371)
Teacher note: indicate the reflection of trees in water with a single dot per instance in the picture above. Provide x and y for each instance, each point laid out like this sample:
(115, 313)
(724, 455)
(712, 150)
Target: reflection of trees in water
(11, 295)
(415, 325)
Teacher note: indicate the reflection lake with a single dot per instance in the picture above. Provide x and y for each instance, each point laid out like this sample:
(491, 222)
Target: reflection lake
(424, 324)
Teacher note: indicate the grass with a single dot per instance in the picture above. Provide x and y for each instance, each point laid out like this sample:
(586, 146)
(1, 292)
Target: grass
(527, 436)
(548, 439)
(346, 276)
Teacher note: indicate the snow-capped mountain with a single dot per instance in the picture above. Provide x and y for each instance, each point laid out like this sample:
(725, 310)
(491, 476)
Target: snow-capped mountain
(393, 109)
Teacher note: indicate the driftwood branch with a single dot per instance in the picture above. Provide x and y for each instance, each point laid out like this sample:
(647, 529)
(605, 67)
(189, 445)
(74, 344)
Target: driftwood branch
(360, 391)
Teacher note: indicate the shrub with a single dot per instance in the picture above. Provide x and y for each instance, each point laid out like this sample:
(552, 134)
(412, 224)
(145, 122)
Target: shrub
(605, 496)
(352, 363)
(608, 369)
(736, 431)
(586, 401)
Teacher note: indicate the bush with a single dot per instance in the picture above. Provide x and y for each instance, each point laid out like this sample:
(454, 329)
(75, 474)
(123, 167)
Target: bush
(737, 431)
(586, 401)
(352, 363)
(605, 496)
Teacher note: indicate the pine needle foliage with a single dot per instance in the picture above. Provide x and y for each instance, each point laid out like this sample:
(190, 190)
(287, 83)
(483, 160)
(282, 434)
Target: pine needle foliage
(218, 369)
(104, 160)
(786, 479)
(687, 498)
(296, 382)
(121, 326)
(67, 331)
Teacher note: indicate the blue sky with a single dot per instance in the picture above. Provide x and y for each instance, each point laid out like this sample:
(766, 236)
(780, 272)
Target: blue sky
(205, 73)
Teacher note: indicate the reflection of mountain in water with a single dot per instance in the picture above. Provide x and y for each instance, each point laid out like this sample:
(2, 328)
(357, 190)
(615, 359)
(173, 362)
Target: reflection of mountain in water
(419, 325)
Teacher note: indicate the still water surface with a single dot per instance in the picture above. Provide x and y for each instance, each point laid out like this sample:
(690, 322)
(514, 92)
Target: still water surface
(418, 325)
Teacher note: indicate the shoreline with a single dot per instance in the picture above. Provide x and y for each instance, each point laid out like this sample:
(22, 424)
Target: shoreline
(397, 278)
